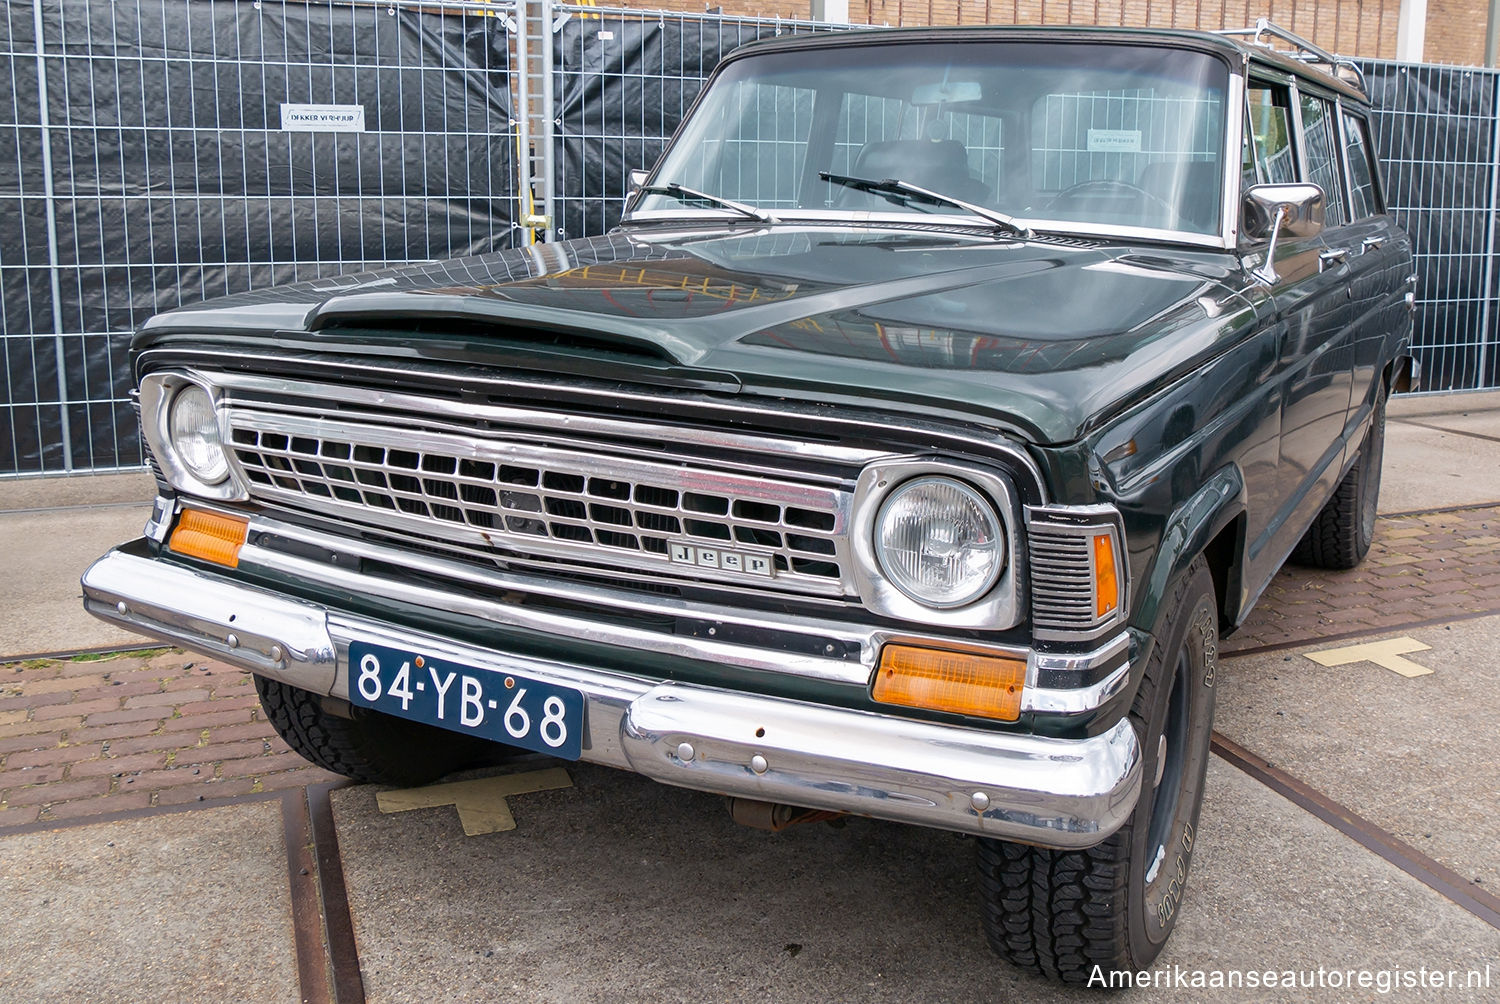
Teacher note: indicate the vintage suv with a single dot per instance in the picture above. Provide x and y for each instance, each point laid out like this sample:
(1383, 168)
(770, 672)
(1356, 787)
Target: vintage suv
(941, 400)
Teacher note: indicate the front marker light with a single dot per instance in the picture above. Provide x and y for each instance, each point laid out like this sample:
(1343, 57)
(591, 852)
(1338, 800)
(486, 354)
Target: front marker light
(962, 683)
(1106, 576)
(193, 432)
(939, 542)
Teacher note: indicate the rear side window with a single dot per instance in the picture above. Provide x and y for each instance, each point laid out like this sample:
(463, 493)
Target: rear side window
(1323, 160)
(1270, 128)
(1364, 200)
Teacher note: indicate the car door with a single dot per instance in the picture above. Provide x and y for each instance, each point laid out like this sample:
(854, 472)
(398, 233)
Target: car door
(1319, 355)
(1306, 305)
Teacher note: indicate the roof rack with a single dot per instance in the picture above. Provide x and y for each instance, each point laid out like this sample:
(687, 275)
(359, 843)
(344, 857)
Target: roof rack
(1304, 51)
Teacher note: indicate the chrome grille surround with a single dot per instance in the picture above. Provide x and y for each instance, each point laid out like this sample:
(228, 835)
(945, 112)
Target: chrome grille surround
(1063, 573)
(513, 496)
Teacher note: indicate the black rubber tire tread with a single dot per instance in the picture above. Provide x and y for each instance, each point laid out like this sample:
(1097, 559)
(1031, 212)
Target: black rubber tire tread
(1338, 539)
(369, 747)
(1059, 913)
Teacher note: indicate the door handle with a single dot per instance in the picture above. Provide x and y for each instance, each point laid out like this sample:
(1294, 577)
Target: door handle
(1370, 244)
(1333, 256)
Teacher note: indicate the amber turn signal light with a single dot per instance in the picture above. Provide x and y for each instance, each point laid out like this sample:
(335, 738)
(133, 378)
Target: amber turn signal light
(1106, 576)
(964, 683)
(210, 536)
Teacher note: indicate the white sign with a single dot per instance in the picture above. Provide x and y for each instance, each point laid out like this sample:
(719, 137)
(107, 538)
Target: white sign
(322, 118)
(1114, 141)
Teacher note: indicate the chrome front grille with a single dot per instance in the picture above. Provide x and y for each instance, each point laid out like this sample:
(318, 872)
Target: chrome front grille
(520, 499)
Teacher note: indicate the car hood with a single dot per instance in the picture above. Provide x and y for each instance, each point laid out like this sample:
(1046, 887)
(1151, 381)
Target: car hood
(1046, 337)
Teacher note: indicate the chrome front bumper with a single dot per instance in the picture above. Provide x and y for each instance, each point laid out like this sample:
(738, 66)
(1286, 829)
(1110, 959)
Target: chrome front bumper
(1051, 792)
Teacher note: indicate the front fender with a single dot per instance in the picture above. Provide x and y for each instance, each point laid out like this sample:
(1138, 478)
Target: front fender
(1193, 527)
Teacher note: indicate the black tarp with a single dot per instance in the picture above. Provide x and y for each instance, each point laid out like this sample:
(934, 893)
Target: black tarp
(1435, 134)
(174, 180)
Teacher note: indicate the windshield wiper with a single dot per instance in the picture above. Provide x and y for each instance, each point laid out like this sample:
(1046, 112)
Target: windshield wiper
(894, 186)
(685, 194)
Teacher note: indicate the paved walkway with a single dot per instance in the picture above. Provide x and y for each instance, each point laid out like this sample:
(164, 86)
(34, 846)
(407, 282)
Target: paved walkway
(150, 819)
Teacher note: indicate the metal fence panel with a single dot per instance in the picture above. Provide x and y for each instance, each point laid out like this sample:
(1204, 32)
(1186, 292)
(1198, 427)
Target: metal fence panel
(174, 150)
(1435, 131)
(622, 81)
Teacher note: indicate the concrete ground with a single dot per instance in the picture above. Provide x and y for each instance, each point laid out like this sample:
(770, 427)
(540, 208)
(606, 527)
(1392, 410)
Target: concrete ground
(158, 841)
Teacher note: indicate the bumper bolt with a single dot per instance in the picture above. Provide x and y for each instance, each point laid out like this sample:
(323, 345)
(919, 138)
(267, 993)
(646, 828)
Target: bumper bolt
(233, 641)
(122, 607)
(758, 764)
(980, 801)
(685, 752)
(275, 653)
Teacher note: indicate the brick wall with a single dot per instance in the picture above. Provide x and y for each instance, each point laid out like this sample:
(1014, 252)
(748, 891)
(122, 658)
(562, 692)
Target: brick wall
(1455, 31)
(1350, 27)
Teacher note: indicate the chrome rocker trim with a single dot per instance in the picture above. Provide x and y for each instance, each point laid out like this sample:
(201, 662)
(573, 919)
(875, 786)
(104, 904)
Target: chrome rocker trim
(1051, 792)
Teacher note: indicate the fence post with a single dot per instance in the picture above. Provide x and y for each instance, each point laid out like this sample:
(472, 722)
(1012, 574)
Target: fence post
(1493, 207)
(548, 117)
(523, 121)
(44, 120)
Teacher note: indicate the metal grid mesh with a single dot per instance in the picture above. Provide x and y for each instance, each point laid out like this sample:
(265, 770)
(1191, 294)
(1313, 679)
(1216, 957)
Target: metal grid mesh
(623, 80)
(145, 163)
(1435, 132)
(142, 166)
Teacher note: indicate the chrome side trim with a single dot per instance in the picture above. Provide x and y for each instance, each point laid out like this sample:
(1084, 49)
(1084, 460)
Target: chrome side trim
(1051, 792)
(1077, 701)
(258, 630)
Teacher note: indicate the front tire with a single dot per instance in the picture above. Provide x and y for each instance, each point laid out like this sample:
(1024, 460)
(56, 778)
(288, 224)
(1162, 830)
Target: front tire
(366, 745)
(1063, 913)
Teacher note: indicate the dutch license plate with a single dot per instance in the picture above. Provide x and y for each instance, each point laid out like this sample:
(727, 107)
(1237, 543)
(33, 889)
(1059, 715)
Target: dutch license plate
(505, 707)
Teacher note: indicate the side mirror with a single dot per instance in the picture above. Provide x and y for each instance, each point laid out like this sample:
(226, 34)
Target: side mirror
(1272, 210)
(638, 178)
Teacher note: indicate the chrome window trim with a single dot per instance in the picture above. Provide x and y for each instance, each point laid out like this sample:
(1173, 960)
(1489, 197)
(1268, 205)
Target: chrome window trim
(1071, 228)
(999, 608)
(1235, 142)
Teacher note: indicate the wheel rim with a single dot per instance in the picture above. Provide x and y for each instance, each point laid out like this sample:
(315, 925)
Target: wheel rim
(1172, 754)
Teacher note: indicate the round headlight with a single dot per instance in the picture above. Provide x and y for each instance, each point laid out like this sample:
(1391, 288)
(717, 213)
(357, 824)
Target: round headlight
(939, 542)
(193, 430)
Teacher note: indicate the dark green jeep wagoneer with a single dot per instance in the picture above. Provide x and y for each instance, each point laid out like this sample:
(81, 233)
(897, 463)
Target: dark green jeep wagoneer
(940, 401)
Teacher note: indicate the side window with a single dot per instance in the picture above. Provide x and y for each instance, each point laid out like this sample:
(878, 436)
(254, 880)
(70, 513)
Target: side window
(1271, 129)
(1323, 160)
(1364, 200)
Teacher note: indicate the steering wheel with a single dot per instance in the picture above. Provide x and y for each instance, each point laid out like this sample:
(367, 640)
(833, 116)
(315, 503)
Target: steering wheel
(1109, 185)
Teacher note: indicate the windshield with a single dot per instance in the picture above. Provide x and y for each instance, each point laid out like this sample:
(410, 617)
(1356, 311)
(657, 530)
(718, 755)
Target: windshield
(1088, 136)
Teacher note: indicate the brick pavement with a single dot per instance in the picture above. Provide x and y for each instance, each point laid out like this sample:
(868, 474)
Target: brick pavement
(1421, 568)
(82, 737)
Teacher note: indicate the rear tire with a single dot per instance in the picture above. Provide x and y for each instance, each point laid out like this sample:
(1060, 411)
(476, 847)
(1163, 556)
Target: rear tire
(368, 746)
(1062, 913)
(1340, 536)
